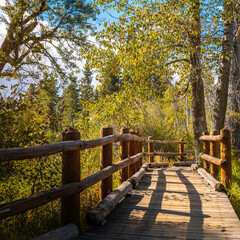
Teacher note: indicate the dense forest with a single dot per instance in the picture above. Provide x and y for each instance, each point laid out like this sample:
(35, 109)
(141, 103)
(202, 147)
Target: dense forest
(168, 69)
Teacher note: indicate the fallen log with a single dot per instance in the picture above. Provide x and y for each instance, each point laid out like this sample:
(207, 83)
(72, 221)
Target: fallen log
(212, 181)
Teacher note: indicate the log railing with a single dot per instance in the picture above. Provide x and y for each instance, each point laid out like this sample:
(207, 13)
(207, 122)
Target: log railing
(130, 165)
(212, 159)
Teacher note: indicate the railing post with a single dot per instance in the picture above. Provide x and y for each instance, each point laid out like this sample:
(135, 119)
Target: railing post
(181, 150)
(106, 160)
(214, 153)
(206, 149)
(140, 144)
(226, 148)
(124, 146)
(150, 150)
(132, 151)
(70, 207)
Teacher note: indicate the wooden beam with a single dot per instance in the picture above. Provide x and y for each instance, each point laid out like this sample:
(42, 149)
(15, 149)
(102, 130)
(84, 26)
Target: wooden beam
(96, 216)
(183, 164)
(211, 159)
(105, 161)
(70, 205)
(212, 181)
(226, 153)
(158, 164)
(214, 153)
(22, 205)
(211, 138)
(150, 150)
(124, 148)
(206, 150)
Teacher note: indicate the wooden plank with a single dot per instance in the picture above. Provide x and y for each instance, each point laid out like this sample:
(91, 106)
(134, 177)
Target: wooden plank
(211, 138)
(211, 159)
(185, 208)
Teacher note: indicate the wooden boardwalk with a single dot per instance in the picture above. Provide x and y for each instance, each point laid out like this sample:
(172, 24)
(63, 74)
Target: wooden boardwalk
(170, 203)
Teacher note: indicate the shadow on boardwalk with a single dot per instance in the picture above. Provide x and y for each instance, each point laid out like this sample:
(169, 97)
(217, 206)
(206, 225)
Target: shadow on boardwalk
(166, 205)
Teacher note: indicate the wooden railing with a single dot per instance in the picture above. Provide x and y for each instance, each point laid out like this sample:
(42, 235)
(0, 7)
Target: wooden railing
(211, 157)
(130, 165)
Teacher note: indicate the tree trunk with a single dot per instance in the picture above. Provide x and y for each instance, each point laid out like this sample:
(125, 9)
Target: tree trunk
(220, 107)
(233, 117)
(198, 107)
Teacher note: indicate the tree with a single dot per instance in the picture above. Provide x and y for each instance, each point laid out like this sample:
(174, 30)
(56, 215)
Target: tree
(220, 106)
(48, 98)
(152, 38)
(38, 28)
(233, 117)
(86, 88)
(70, 102)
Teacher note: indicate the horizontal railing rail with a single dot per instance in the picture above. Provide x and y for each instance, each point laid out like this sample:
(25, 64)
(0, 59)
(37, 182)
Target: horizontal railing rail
(130, 166)
(211, 157)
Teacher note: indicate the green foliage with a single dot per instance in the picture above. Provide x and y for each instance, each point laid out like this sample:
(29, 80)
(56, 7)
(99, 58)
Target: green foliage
(42, 32)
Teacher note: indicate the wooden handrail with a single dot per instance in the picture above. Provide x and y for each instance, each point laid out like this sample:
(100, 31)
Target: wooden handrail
(225, 161)
(53, 148)
(211, 159)
(211, 138)
(22, 205)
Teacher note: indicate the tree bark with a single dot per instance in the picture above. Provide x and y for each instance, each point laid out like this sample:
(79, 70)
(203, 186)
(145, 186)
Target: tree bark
(198, 106)
(233, 116)
(220, 107)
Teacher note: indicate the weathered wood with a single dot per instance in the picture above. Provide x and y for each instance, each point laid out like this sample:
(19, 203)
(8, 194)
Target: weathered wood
(136, 178)
(163, 142)
(105, 161)
(22, 205)
(211, 138)
(158, 164)
(212, 181)
(53, 148)
(168, 154)
(97, 215)
(226, 153)
(181, 150)
(70, 205)
(206, 150)
(132, 151)
(124, 148)
(183, 164)
(211, 159)
(66, 232)
(150, 150)
(214, 153)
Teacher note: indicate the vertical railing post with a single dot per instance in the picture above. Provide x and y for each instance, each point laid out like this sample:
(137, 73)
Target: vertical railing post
(150, 150)
(105, 160)
(214, 153)
(226, 148)
(140, 144)
(70, 205)
(206, 149)
(124, 146)
(181, 150)
(132, 151)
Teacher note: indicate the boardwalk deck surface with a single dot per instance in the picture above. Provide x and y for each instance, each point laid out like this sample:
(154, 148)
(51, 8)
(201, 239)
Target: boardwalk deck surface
(170, 203)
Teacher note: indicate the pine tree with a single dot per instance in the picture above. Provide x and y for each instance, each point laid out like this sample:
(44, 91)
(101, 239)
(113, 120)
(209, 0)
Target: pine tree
(70, 102)
(86, 87)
